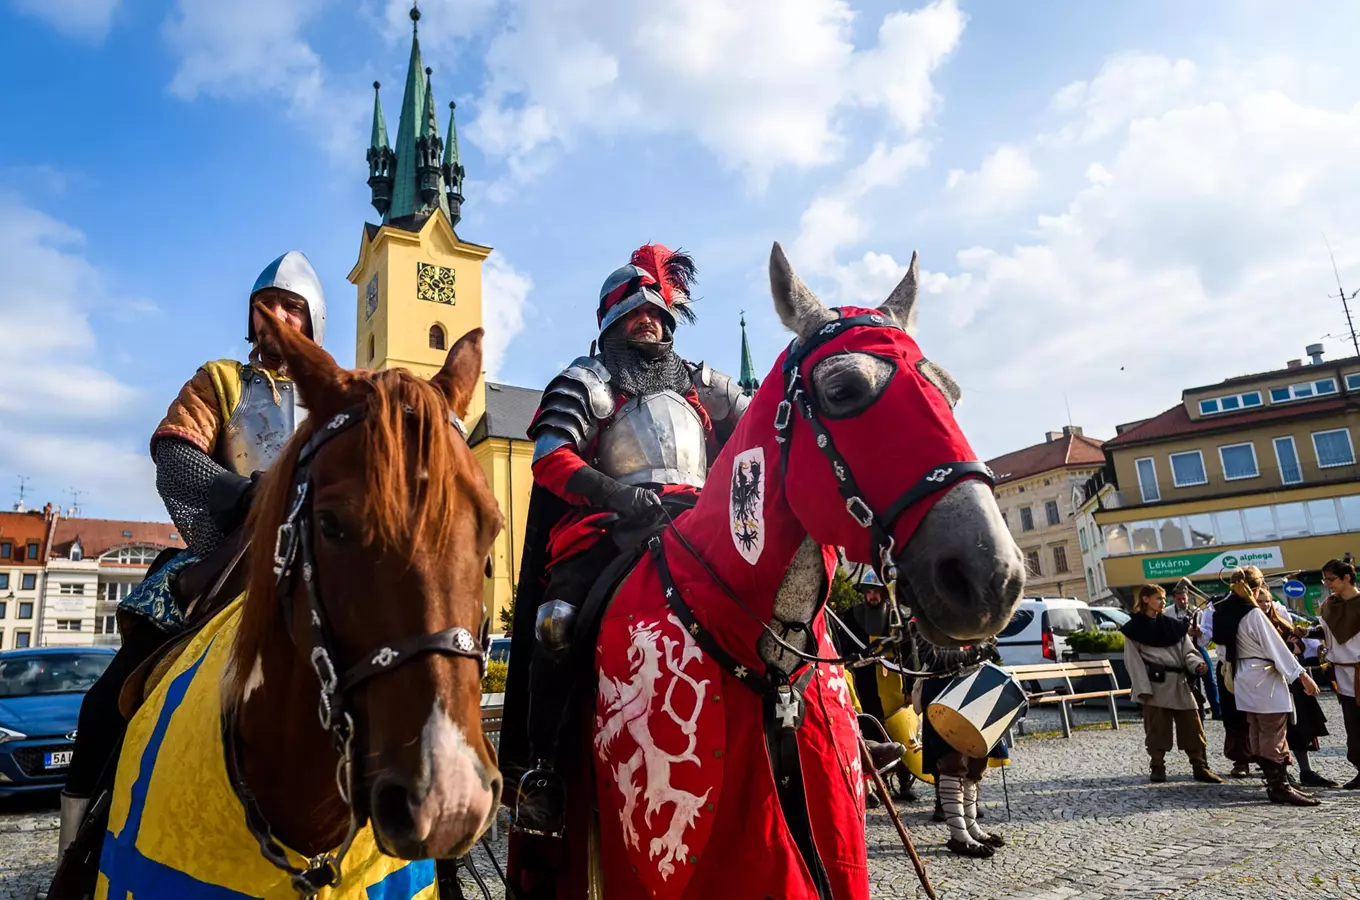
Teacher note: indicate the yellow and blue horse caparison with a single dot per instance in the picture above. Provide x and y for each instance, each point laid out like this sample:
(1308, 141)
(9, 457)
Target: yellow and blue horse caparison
(176, 827)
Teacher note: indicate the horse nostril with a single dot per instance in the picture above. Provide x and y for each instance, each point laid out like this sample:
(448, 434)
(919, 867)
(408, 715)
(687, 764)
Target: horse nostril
(951, 583)
(392, 809)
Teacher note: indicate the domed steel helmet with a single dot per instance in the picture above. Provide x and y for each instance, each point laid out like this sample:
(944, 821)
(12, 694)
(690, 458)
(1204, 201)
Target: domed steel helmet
(293, 273)
(654, 275)
(867, 579)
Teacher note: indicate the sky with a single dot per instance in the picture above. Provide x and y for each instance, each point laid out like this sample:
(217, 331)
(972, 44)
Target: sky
(1112, 202)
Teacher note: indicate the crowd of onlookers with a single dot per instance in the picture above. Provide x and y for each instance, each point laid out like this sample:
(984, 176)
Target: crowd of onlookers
(1257, 680)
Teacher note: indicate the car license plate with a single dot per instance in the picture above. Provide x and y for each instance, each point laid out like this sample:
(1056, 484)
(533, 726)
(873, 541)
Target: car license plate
(58, 759)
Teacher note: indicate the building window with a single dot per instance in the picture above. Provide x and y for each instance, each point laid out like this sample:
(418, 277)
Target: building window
(1051, 513)
(1333, 448)
(1090, 585)
(1322, 517)
(1239, 461)
(1187, 469)
(3, 608)
(32, 549)
(25, 610)
(1320, 388)
(4, 581)
(105, 624)
(371, 349)
(1287, 455)
(1291, 520)
(436, 338)
(1147, 480)
(1081, 534)
(1060, 559)
(1353, 382)
(1026, 519)
(68, 624)
(1032, 563)
(28, 582)
(6, 549)
(1230, 403)
(114, 591)
(22, 639)
(132, 556)
(72, 589)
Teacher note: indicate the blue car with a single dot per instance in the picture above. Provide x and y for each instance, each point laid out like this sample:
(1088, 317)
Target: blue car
(40, 695)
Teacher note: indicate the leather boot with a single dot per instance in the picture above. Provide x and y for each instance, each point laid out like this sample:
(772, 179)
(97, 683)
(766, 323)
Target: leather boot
(884, 754)
(1279, 790)
(72, 814)
(1200, 766)
(1158, 768)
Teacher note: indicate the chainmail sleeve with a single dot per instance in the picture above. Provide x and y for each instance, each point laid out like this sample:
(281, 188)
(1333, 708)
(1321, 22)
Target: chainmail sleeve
(184, 476)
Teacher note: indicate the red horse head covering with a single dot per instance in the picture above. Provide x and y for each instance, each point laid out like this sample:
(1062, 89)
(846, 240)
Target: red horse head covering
(655, 274)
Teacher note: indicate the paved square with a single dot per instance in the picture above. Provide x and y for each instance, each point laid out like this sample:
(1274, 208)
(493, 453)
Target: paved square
(1085, 823)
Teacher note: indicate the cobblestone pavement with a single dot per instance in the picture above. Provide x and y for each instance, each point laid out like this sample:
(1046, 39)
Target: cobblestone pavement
(1084, 823)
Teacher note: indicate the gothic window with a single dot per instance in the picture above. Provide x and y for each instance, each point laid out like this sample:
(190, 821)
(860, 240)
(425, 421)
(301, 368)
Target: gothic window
(370, 349)
(436, 338)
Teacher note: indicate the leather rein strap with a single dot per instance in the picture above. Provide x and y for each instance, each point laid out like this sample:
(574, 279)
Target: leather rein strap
(293, 550)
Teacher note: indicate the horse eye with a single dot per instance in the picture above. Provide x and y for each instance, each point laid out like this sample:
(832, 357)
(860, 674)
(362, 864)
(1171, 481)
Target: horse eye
(329, 525)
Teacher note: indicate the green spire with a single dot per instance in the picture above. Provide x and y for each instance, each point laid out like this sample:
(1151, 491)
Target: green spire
(429, 125)
(406, 200)
(747, 382)
(451, 147)
(453, 173)
(379, 139)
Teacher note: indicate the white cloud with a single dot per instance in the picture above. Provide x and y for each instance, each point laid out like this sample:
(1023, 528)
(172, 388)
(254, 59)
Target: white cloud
(1127, 87)
(442, 22)
(1193, 254)
(251, 49)
(1004, 181)
(53, 393)
(505, 294)
(83, 19)
(762, 84)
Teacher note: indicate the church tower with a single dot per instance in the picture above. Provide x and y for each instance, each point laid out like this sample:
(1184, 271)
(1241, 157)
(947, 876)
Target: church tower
(419, 284)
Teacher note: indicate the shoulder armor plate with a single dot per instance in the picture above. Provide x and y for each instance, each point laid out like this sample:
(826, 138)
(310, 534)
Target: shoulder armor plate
(720, 395)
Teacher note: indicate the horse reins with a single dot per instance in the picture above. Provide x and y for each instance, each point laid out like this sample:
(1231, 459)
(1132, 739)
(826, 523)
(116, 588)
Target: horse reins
(293, 544)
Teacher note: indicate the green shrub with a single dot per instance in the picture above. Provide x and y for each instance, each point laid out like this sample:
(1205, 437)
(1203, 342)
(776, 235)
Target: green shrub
(496, 673)
(843, 594)
(1096, 642)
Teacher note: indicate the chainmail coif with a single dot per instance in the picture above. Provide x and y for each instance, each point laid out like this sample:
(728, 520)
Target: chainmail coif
(636, 374)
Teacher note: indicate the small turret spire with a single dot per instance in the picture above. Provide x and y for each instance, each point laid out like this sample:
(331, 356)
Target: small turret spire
(453, 171)
(747, 382)
(381, 161)
(429, 148)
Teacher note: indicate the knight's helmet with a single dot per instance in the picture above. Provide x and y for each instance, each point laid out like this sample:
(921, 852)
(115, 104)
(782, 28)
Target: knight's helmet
(865, 578)
(293, 272)
(655, 274)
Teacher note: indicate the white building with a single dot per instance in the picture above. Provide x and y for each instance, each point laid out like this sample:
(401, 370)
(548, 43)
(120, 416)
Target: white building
(1098, 492)
(92, 565)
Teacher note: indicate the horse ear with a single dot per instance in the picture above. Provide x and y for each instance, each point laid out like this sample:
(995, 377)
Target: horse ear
(458, 379)
(798, 308)
(319, 378)
(901, 303)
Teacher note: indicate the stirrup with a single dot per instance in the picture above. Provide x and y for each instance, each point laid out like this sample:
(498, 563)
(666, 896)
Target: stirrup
(541, 803)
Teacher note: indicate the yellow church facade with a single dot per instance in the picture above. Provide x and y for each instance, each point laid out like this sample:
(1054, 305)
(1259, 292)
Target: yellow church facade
(419, 289)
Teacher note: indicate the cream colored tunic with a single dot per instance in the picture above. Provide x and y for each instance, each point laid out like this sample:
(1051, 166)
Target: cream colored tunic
(1265, 667)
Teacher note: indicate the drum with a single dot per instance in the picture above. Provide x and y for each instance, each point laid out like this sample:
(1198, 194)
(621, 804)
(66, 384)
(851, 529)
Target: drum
(904, 727)
(975, 710)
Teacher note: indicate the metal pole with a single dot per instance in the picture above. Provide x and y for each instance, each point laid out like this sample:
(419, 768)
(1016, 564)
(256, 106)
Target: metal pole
(1344, 304)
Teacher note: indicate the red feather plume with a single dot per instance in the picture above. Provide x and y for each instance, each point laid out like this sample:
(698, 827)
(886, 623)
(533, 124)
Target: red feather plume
(674, 271)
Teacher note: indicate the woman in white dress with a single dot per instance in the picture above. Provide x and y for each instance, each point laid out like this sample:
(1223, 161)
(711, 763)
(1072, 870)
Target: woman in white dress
(1261, 668)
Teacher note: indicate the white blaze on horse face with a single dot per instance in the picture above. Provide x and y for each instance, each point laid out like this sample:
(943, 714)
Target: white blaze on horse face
(255, 680)
(459, 801)
(747, 503)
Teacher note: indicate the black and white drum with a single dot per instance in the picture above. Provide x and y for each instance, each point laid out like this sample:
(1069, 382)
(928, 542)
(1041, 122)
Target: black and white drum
(975, 710)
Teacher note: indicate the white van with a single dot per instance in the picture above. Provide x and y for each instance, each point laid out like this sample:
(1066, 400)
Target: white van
(1037, 632)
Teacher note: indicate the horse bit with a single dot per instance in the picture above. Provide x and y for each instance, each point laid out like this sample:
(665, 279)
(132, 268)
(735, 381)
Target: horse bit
(293, 544)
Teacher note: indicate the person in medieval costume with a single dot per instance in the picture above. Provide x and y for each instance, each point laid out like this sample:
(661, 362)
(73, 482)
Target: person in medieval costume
(224, 429)
(622, 439)
(957, 776)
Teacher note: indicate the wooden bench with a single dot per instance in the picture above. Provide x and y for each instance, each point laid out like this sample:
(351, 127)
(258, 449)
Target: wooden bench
(493, 708)
(1065, 672)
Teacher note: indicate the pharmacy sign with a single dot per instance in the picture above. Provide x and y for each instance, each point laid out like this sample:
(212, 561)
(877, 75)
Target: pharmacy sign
(1188, 565)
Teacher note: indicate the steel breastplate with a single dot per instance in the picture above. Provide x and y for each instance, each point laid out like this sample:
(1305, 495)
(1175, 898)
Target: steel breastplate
(257, 431)
(654, 439)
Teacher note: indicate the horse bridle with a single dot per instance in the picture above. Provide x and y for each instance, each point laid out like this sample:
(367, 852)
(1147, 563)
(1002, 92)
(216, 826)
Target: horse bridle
(293, 544)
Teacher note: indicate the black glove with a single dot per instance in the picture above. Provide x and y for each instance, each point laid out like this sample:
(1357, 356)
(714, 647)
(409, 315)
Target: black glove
(604, 492)
(229, 498)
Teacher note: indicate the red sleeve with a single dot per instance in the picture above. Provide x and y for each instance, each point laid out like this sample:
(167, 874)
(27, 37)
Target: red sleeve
(553, 471)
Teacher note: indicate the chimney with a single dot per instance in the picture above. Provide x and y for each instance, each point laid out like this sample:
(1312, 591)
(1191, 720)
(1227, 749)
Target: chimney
(1294, 364)
(1051, 436)
(1072, 431)
(1314, 351)
(47, 513)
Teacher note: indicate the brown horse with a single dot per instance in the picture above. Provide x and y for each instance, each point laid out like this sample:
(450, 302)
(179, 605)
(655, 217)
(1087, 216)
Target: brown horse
(366, 609)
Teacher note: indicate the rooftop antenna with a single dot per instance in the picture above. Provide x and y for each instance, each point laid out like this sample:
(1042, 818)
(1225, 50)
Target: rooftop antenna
(23, 485)
(1069, 409)
(75, 501)
(1345, 300)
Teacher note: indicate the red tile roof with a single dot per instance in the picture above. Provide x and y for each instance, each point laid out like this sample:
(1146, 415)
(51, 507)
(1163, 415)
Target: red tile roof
(1068, 451)
(99, 536)
(18, 529)
(1176, 421)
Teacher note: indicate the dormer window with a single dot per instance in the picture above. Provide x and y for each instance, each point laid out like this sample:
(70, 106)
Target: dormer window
(1320, 388)
(1230, 403)
(76, 553)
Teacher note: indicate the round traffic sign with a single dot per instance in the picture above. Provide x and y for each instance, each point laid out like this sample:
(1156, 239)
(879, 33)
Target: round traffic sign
(1294, 589)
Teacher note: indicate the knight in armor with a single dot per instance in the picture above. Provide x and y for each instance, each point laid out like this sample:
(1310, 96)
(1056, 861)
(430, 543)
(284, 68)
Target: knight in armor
(867, 621)
(224, 429)
(621, 436)
(957, 776)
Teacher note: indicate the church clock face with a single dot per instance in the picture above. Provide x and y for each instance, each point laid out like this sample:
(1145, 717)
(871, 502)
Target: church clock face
(371, 297)
(434, 283)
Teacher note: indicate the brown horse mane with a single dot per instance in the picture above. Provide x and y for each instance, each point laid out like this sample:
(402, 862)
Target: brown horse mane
(406, 502)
